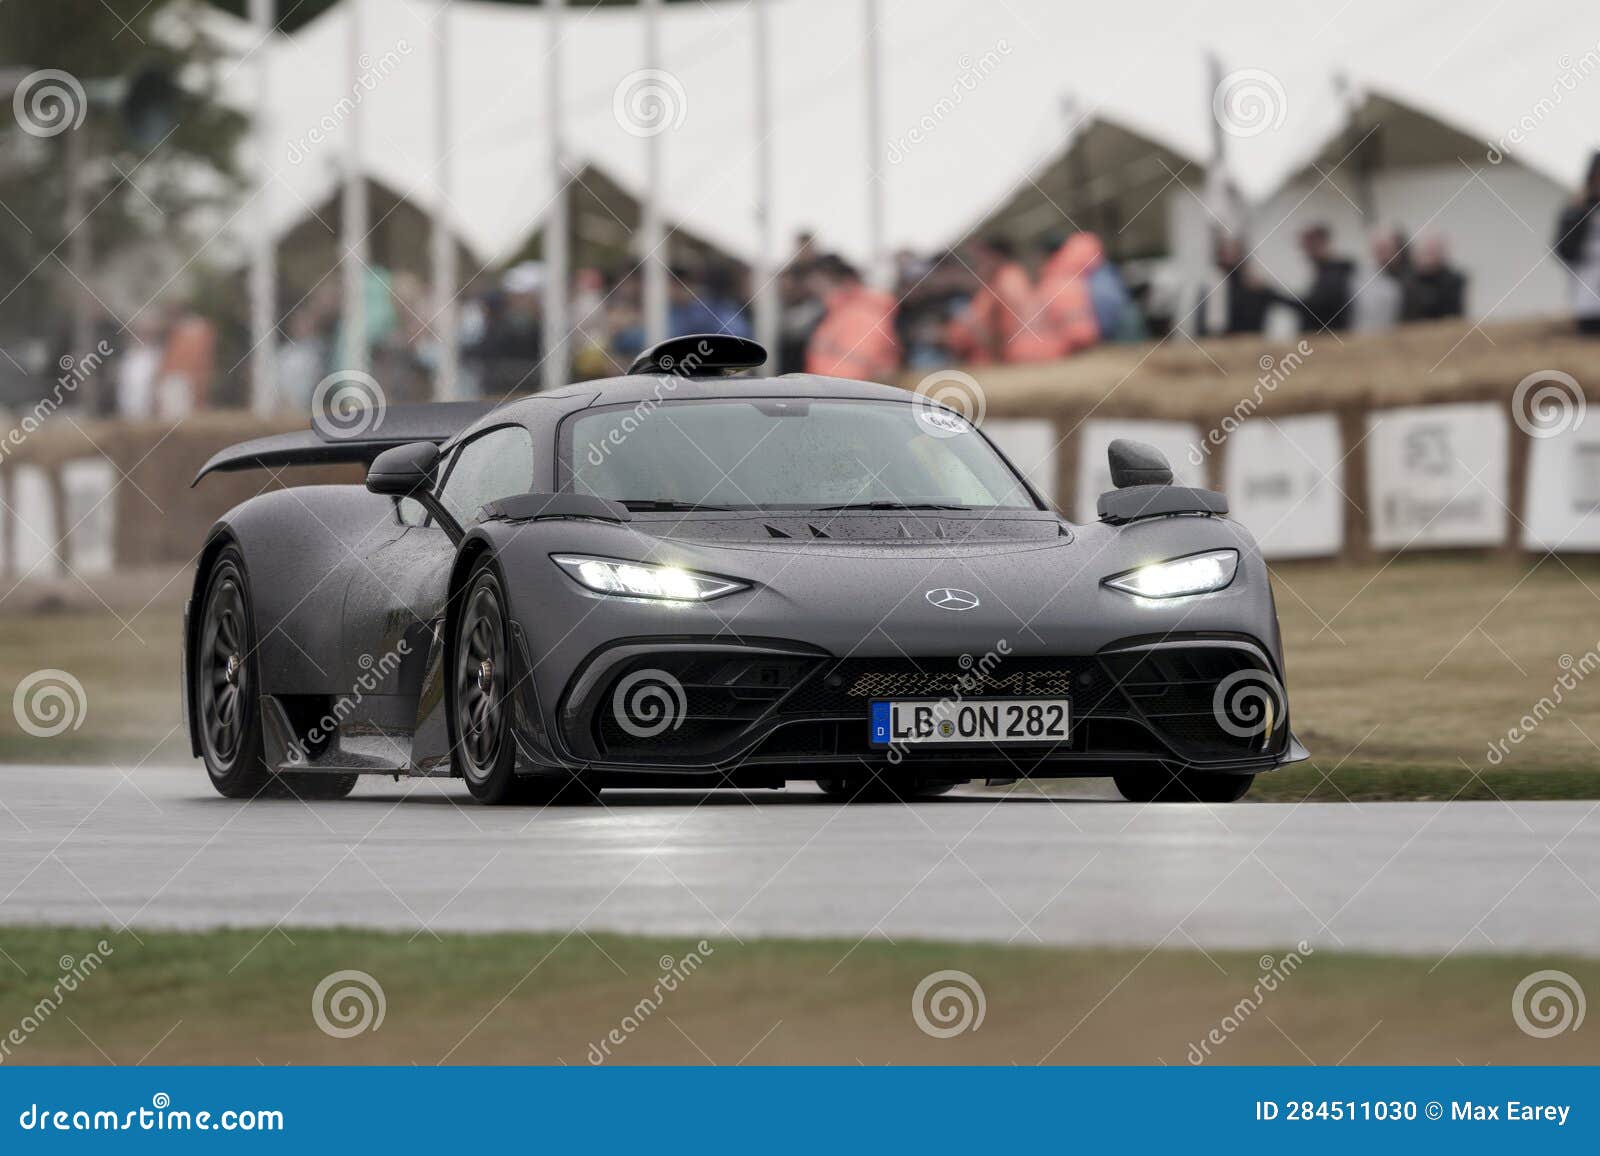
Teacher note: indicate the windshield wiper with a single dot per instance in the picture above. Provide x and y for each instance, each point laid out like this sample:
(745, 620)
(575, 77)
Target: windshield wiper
(667, 505)
(893, 505)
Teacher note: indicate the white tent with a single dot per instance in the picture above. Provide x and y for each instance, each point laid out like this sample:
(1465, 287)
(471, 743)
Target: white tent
(1423, 178)
(978, 98)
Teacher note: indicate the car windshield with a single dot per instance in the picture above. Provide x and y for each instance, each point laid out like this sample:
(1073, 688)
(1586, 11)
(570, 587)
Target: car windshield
(787, 453)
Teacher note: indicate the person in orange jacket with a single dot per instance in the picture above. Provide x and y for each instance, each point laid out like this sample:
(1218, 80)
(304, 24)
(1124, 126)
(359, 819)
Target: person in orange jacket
(984, 331)
(188, 365)
(856, 336)
(1060, 317)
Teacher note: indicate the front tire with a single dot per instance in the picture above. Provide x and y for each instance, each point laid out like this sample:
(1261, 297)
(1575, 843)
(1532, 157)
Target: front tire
(1182, 787)
(481, 708)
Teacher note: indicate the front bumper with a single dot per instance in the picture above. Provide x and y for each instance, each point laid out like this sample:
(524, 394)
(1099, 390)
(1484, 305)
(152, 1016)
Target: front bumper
(694, 706)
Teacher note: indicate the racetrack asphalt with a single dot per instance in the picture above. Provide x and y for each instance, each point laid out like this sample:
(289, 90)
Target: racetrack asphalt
(156, 848)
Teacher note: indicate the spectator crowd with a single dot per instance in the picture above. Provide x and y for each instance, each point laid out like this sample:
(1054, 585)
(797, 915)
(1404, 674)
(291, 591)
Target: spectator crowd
(986, 302)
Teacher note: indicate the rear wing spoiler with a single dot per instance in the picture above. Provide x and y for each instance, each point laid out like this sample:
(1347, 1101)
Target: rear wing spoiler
(396, 426)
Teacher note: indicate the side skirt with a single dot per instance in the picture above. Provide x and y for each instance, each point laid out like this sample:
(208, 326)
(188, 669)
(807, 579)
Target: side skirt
(373, 751)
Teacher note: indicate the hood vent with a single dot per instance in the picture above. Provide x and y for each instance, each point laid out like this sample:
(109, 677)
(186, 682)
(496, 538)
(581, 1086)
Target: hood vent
(890, 529)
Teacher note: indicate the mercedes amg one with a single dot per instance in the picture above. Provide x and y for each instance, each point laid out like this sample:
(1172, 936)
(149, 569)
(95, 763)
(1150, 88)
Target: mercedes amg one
(692, 576)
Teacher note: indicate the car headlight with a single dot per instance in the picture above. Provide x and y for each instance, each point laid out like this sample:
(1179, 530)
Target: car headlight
(644, 580)
(1177, 577)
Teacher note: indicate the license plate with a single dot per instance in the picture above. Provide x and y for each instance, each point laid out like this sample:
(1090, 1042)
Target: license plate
(997, 721)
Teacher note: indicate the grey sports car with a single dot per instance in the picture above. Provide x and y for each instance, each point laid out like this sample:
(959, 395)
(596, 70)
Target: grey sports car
(689, 576)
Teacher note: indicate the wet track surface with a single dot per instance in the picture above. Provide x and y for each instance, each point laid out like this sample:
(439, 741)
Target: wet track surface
(157, 848)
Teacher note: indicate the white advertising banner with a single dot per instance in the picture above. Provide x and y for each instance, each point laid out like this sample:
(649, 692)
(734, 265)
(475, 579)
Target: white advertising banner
(1283, 478)
(1030, 443)
(1436, 476)
(1178, 440)
(1561, 510)
(90, 513)
(33, 524)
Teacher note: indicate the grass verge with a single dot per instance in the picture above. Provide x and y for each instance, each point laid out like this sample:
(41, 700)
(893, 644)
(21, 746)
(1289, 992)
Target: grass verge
(130, 712)
(1360, 782)
(246, 996)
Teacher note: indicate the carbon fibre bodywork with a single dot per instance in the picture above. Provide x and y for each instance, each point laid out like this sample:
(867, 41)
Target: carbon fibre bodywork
(353, 596)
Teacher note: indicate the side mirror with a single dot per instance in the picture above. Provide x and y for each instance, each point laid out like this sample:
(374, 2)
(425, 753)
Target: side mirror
(1134, 464)
(403, 470)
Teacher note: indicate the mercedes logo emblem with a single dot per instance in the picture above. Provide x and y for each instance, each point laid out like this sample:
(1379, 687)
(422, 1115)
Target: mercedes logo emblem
(949, 598)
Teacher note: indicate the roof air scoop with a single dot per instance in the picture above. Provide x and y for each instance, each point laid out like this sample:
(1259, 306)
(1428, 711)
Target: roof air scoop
(701, 355)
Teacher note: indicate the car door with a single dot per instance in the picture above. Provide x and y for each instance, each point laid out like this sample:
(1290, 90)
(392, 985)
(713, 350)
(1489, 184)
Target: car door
(395, 600)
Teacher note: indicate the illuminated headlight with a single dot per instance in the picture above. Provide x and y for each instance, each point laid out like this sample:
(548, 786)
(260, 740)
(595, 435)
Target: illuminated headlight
(1194, 574)
(643, 580)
